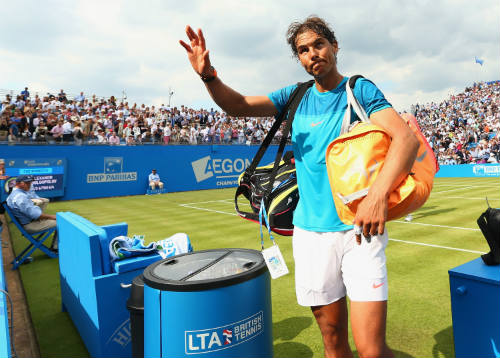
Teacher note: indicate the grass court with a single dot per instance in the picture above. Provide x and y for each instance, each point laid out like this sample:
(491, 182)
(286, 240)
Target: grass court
(442, 235)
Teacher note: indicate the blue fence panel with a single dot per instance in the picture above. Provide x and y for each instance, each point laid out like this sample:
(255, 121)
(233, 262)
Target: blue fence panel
(469, 171)
(105, 171)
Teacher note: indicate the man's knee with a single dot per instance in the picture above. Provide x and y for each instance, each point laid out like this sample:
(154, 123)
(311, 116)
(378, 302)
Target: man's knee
(333, 330)
(370, 350)
(334, 333)
(39, 225)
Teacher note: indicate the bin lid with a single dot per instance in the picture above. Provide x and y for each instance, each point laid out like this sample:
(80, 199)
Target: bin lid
(205, 270)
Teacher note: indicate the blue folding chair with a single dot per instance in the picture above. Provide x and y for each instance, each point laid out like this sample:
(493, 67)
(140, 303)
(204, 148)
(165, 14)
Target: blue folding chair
(36, 240)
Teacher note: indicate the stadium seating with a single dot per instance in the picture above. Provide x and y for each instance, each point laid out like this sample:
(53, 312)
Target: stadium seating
(94, 290)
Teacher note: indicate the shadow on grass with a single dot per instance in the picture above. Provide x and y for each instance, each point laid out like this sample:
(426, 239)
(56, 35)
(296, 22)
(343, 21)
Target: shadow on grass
(444, 344)
(292, 349)
(290, 328)
(287, 330)
(400, 354)
(397, 354)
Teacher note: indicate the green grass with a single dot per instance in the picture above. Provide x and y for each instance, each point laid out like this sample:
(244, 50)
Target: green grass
(419, 316)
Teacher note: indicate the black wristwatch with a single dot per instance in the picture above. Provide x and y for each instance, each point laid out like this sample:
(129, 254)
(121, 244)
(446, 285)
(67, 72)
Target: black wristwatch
(210, 77)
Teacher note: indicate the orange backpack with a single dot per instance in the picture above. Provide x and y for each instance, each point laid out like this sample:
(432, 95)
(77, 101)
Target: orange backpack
(355, 158)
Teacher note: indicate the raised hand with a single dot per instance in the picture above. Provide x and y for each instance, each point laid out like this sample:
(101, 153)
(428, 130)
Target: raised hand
(196, 51)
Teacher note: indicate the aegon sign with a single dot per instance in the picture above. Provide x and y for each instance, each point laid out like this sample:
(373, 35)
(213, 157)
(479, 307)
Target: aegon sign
(206, 167)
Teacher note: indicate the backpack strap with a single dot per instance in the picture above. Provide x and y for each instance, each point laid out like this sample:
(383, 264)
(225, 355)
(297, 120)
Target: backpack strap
(352, 103)
(301, 90)
(296, 95)
(287, 112)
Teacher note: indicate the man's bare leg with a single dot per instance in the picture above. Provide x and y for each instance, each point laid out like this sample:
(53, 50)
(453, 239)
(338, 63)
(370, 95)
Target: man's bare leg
(332, 320)
(368, 321)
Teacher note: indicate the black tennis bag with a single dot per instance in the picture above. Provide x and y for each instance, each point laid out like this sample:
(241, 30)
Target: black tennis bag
(489, 223)
(282, 200)
(275, 185)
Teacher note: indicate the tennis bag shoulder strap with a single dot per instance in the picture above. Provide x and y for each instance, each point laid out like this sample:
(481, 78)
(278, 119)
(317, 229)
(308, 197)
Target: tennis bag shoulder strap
(287, 112)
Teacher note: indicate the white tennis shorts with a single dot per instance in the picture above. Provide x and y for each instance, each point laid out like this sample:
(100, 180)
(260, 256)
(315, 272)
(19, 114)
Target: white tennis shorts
(330, 264)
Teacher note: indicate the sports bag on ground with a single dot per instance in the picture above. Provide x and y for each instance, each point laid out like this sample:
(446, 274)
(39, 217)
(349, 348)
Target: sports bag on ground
(275, 185)
(356, 157)
(489, 223)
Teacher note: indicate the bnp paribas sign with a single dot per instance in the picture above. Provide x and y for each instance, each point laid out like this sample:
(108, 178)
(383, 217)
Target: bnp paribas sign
(112, 172)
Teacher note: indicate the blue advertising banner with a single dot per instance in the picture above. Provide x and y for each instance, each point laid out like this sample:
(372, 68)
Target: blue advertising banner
(105, 171)
(48, 174)
(469, 171)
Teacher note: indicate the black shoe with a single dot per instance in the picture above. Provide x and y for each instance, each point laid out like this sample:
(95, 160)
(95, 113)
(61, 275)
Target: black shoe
(28, 260)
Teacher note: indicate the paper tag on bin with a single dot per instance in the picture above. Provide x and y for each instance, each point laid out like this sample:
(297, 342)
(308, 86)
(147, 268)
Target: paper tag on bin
(275, 261)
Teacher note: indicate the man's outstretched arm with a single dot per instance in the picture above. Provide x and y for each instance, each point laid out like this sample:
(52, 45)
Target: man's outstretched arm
(234, 103)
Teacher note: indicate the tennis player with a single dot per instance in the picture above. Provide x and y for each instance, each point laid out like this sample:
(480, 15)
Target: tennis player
(331, 260)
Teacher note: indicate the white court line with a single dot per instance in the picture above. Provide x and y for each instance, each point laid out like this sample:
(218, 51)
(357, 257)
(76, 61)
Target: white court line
(471, 198)
(446, 191)
(472, 186)
(436, 185)
(188, 205)
(438, 246)
(204, 209)
(396, 240)
(434, 225)
(203, 202)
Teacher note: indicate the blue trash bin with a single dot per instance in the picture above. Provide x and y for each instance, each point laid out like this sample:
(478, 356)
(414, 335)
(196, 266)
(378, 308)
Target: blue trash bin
(213, 303)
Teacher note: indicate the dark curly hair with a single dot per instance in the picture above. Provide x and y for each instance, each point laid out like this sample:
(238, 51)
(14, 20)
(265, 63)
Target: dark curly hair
(312, 23)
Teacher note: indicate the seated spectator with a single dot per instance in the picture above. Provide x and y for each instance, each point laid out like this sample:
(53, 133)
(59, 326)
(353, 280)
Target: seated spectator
(167, 131)
(78, 133)
(101, 139)
(61, 97)
(80, 98)
(2, 170)
(67, 131)
(57, 131)
(492, 159)
(25, 94)
(154, 180)
(113, 139)
(4, 128)
(25, 135)
(130, 140)
(26, 211)
(41, 132)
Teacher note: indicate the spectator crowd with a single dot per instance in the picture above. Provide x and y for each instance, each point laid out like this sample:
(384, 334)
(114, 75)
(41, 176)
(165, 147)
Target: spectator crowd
(465, 128)
(57, 119)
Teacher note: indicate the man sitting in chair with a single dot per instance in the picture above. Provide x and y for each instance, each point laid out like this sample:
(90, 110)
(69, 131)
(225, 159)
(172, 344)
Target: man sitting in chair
(22, 203)
(154, 180)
